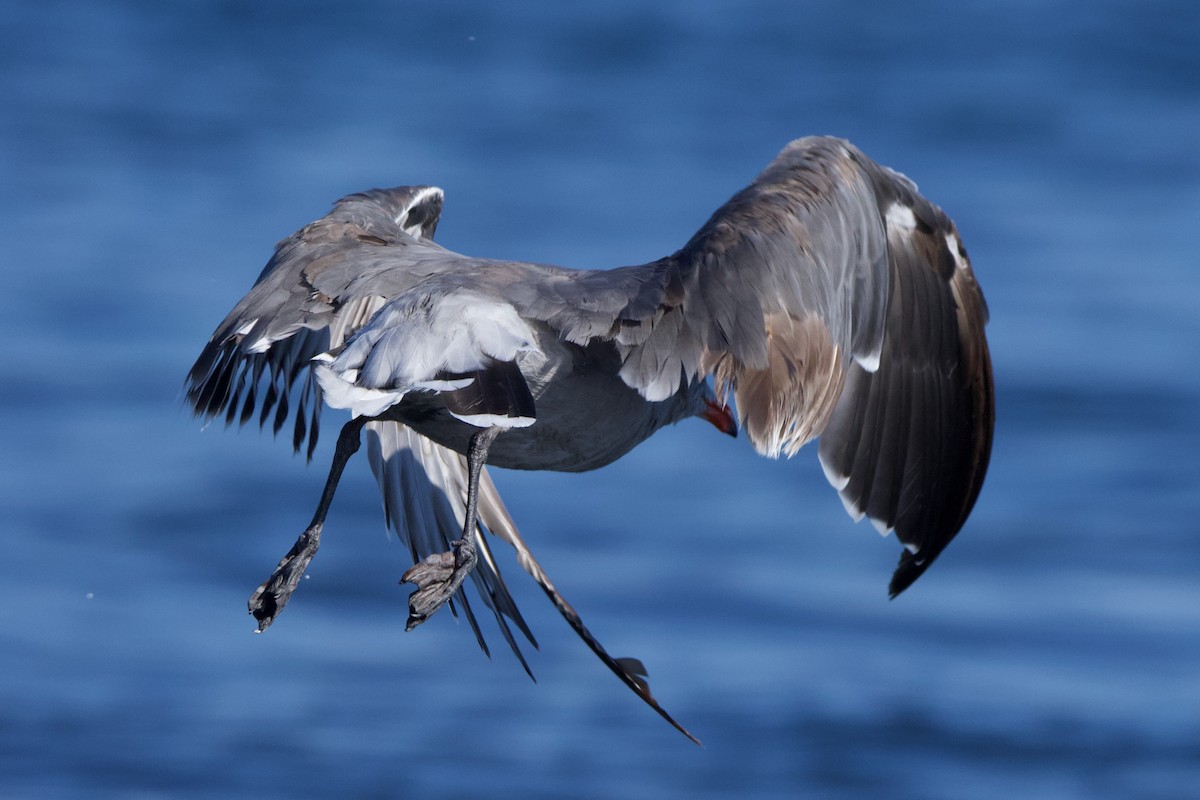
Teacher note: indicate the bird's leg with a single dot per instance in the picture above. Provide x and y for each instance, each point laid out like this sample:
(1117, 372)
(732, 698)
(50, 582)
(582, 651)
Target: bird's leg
(438, 576)
(269, 599)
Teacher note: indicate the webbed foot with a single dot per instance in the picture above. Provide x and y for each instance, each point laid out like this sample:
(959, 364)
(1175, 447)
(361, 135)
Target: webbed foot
(437, 578)
(268, 600)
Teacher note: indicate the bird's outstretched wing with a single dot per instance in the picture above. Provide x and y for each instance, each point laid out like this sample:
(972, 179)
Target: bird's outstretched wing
(322, 283)
(908, 443)
(829, 298)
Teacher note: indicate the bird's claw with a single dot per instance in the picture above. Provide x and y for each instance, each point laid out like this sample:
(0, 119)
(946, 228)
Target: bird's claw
(268, 600)
(437, 577)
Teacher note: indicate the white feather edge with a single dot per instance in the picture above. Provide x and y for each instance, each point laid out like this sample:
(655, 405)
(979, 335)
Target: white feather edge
(494, 420)
(420, 197)
(839, 482)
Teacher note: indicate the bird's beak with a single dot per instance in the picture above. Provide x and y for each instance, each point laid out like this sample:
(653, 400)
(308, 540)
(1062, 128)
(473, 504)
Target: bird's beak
(721, 417)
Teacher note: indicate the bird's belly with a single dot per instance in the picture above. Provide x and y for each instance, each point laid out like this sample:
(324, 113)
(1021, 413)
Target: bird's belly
(583, 423)
(586, 416)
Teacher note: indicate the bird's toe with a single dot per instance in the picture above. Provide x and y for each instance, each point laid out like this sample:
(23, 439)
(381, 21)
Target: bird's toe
(437, 577)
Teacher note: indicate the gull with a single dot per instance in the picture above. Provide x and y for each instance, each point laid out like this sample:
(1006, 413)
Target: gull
(828, 299)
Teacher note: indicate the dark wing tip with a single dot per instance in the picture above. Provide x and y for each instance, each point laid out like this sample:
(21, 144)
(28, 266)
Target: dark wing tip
(907, 572)
(227, 381)
(416, 210)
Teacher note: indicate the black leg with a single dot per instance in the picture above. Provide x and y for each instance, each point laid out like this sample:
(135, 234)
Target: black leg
(269, 599)
(438, 576)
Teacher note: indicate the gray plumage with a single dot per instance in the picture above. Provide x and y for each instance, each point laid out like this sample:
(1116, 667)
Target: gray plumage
(828, 298)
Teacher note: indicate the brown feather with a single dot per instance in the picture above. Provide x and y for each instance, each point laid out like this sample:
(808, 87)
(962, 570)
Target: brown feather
(787, 403)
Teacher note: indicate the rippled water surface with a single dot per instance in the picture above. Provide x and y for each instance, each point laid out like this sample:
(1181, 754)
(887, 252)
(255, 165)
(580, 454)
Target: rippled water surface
(153, 153)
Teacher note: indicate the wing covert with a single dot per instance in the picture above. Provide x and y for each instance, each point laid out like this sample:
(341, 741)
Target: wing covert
(775, 296)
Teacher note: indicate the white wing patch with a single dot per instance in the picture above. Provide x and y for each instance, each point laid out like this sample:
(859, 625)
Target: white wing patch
(955, 246)
(870, 361)
(413, 342)
(900, 218)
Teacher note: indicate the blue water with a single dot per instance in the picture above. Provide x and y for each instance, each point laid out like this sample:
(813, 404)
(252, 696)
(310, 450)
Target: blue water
(152, 153)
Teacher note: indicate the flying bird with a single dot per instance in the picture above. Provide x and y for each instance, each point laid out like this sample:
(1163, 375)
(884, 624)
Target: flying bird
(828, 299)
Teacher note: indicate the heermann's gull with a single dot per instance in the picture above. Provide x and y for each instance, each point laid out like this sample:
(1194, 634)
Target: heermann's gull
(828, 298)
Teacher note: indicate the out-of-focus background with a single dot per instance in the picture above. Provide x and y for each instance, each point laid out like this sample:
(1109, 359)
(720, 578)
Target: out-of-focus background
(153, 153)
